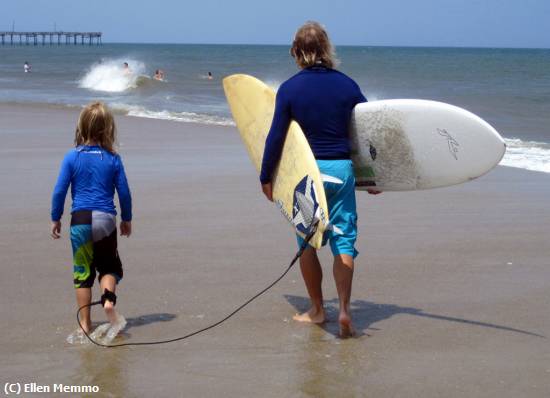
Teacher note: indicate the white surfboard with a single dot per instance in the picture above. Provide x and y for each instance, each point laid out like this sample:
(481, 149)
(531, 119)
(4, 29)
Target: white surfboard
(410, 144)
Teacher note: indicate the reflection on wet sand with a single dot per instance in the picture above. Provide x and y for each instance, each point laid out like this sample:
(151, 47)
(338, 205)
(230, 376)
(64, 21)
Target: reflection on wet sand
(106, 367)
(103, 368)
(328, 365)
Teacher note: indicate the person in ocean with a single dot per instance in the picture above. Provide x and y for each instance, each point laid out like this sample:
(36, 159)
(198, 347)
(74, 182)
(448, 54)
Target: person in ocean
(159, 75)
(321, 99)
(26, 67)
(94, 170)
(209, 76)
(126, 69)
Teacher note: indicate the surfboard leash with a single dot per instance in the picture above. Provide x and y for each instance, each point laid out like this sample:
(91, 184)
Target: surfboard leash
(298, 254)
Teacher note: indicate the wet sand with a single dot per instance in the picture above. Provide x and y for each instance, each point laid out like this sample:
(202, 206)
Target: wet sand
(451, 290)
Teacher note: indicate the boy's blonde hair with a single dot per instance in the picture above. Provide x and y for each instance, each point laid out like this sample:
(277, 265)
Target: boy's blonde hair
(312, 46)
(96, 123)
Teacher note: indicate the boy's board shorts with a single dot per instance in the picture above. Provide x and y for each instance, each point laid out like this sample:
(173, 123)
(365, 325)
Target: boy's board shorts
(341, 206)
(94, 242)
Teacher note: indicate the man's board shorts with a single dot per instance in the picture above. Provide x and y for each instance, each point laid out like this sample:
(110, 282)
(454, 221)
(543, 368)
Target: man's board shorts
(94, 243)
(341, 206)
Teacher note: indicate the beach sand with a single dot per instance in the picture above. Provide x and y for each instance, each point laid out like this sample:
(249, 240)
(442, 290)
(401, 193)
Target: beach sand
(451, 292)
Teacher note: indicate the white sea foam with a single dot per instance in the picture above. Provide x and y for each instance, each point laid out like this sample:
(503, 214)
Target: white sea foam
(189, 117)
(110, 76)
(274, 84)
(529, 155)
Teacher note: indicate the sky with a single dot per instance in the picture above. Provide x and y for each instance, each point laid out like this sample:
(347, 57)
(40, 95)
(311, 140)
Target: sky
(454, 23)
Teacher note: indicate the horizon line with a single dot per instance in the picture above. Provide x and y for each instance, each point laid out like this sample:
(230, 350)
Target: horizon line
(335, 45)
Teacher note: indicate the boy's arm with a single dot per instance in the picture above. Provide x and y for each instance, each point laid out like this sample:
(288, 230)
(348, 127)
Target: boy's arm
(61, 187)
(124, 195)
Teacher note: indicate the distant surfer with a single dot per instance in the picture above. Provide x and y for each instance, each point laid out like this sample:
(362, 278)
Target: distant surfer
(26, 67)
(126, 69)
(159, 75)
(94, 170)
(209, 76)
(321, 99)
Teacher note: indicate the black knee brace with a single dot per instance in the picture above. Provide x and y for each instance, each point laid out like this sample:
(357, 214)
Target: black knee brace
(108, 295)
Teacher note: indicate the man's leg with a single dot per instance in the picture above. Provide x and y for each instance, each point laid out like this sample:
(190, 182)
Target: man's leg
(343, 276)
(313, 276)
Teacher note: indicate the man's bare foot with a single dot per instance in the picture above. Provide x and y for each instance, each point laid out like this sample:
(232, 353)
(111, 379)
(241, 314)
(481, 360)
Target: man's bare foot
(312, 316)
(346, 328)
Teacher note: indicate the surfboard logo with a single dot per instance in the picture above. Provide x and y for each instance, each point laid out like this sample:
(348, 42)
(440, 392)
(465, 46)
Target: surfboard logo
(304, 206)
(453, 144)
(372, 151)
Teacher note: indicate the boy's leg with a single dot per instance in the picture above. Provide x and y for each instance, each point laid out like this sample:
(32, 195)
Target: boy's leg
(83, 297)
(83, 272)
(106, 259)
(343, 276)
(313, 276)
(109, 282)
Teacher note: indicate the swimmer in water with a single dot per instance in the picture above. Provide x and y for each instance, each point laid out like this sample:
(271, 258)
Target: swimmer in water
(210, 77)
(159, 75)
(126, 68)
(26, 67)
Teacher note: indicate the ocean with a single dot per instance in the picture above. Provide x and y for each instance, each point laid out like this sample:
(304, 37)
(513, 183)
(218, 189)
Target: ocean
(509, 88)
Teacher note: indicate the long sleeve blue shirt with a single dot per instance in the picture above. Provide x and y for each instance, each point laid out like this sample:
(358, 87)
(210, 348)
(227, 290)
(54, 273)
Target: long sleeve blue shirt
(321, 100)
(93, 174)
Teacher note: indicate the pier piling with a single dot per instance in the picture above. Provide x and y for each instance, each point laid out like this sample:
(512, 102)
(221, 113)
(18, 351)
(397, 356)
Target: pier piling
(40, 37)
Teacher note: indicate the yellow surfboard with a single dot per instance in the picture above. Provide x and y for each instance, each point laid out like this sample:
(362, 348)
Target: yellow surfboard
(297, 185)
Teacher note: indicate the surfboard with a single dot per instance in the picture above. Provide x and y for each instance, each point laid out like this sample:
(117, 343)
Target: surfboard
(297, 184)
(410, 144)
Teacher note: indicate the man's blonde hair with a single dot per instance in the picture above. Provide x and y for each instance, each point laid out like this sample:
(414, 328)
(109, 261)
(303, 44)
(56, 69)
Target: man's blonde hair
(96, 123)
(311, 46)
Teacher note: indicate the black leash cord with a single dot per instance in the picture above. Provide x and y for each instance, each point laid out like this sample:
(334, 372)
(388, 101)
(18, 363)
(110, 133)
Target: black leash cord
(296, 257)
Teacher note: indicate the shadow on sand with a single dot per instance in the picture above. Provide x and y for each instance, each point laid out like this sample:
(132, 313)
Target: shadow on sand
(366, 313)
(148, 319)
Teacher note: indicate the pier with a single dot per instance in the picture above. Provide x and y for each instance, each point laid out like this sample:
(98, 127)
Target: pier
(50, 38)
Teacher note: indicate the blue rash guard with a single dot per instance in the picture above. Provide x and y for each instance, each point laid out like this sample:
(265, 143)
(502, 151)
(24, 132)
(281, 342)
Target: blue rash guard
(93, 174)
(321, 100)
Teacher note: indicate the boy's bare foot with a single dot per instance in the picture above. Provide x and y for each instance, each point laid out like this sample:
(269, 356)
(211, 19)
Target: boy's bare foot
(346, 328)
(110, 312)
(312, 316)
(77, 337)
(85, 326)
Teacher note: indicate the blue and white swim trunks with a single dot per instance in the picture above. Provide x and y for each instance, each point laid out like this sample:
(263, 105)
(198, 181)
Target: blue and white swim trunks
(342, 207)
(94, 243)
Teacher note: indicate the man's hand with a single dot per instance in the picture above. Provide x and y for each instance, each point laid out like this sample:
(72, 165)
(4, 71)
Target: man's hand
(268, 191)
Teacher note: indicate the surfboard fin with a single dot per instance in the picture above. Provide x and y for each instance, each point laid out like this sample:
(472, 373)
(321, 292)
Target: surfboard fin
(334, 180)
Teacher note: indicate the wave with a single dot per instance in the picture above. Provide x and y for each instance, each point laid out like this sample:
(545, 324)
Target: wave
(529, 155)
(188, 117)
(111, 76)
(274, 84)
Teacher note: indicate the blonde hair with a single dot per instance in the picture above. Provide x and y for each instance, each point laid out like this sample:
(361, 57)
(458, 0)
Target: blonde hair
(96, 124)
(311, 46)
